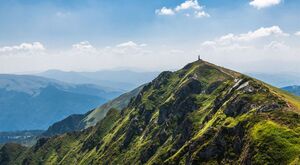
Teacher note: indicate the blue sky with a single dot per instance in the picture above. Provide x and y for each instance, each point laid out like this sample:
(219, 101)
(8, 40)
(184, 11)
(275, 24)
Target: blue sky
(152, 36)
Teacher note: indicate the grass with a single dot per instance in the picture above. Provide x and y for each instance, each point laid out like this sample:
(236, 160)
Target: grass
(275, 143)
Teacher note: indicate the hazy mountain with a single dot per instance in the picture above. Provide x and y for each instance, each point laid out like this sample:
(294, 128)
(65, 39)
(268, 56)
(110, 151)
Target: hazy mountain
(26, 138)
(293, 89)
(82, 121)
(123, 79)
(31, 102)
(278, 79)
(201, 114)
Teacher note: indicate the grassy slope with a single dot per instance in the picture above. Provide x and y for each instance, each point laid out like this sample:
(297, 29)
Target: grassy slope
(9, 151)
(202, 113)
(118, 103)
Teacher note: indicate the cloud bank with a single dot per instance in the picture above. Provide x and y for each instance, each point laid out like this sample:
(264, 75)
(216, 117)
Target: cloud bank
(34, 47)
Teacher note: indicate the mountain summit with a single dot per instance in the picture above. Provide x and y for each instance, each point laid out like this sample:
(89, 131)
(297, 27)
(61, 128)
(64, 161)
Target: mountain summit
(202, 113)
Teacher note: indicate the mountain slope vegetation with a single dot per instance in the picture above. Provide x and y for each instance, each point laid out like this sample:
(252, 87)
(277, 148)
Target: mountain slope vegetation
(9, 151)
(199, 114)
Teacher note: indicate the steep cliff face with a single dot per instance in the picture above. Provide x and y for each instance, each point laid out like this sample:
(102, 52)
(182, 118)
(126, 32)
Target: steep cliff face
(200, 114)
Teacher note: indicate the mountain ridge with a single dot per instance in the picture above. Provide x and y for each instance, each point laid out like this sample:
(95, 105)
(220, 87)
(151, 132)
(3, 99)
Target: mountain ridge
(200, 114)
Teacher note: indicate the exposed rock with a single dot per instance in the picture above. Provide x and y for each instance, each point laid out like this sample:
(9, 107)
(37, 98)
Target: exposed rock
(212, 87)
(40, 143)
(238, 106)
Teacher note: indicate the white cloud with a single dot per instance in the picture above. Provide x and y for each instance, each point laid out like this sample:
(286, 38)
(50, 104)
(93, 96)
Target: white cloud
(128, 48)
(232, 41)
(189, 7)
(275, 45)
(23, 48)
(127, 44)
(164, 11)
(263, 32)
(189, 4)
(252, 35)
(209, 43)
(297, 33)
(83, 46)
(223, 47)
(130, 44)
(200, 14)
(259, 4)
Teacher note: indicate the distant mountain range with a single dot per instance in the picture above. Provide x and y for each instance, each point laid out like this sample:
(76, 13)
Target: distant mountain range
(122, 79)
(278, 79)
(26, 138)
(293, 89)
(129, 80)
(31, 102)
(286, 81)
(79, 122)
(74, 122)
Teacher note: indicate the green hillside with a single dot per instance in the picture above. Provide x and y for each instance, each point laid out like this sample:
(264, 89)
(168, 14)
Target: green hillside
(9, 152)
(118, 103)
(200, 114)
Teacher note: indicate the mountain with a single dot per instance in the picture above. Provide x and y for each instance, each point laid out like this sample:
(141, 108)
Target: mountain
(26, 138)
(9, 151)
(119, 79)
(82, 121)
(119, 103)
(31, 102)
(278, 79)
(293, 89)
(201, 114)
